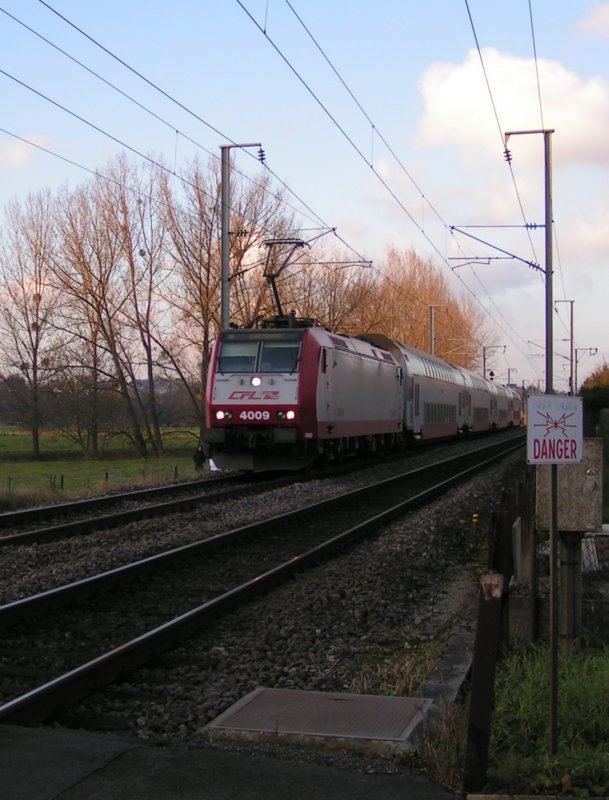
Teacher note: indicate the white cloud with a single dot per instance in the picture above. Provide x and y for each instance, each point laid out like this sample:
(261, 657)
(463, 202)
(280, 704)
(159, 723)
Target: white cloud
(458, 110)
(16, 153)
(587, 239)
(596, 22)
(13, 152)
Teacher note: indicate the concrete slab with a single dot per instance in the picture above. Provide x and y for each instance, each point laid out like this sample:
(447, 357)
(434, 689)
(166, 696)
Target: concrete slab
(37, 764)
(48, 764)
(366, 722)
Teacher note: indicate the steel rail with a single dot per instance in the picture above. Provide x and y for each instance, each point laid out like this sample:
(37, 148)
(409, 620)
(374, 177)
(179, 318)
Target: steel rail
(26, 516)
(89, 525)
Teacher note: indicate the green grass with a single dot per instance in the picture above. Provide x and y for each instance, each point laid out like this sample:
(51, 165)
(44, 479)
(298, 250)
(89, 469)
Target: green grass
(63, 473)
(73, 477)
(519, 758)
(16, 443)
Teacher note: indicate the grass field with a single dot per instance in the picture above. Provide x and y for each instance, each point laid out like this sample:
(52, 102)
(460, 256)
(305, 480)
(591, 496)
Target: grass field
(63, 473)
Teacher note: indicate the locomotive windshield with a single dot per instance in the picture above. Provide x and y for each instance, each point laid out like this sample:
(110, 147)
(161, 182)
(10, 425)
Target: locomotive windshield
(259, 355)
(238, 357)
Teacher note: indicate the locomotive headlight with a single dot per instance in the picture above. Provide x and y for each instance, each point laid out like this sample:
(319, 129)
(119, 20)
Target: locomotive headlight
(256, 381)
(220, 415)
(290, 415)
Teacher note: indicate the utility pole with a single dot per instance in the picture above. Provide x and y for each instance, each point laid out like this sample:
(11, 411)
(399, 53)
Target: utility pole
(225, 229)
(432, 330)
(592, 350)
(571, 385)
(484, 349)
(553, 467)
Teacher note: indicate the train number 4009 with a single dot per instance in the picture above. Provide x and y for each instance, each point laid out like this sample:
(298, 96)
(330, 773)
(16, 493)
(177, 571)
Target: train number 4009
(255, 416)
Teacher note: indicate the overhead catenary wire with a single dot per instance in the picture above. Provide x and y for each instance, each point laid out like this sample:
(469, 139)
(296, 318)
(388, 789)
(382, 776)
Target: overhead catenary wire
(379, 177)
(196, 116)
(158, 117)
(212, 127)
(499, 127)
(228, 138)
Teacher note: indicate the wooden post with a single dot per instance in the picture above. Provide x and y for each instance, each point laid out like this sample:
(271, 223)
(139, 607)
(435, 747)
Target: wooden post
(529, 619)
(486, 649)
(570, 591)
(502, 562)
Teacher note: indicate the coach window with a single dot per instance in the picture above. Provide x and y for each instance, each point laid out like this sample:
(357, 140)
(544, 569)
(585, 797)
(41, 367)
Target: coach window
(279, 356)
(237, 357)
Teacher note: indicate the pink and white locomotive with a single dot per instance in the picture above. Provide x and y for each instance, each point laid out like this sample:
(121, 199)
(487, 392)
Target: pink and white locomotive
(285, 397)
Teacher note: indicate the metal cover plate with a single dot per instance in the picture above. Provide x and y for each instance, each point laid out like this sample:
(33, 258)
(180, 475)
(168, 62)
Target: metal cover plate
(352, 716)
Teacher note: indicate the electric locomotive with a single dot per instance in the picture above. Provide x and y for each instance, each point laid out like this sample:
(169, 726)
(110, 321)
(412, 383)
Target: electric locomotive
(280, 398)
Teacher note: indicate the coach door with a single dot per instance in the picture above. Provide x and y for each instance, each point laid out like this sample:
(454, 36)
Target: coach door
(326, 398)
(416, 426)
(410, 403)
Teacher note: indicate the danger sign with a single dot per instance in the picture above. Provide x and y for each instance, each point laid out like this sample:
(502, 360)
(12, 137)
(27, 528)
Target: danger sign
(554, 429)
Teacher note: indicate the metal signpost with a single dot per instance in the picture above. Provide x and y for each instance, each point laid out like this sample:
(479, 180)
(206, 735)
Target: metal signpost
(554, 436)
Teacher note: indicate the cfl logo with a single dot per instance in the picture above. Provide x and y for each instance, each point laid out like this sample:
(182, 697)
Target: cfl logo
(252, 394)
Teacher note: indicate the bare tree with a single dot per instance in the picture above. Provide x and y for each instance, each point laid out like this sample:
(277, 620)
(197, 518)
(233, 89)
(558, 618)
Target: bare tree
(30, 344)
(137, 214)
(193, 222)
(193, 291)
(88, 269)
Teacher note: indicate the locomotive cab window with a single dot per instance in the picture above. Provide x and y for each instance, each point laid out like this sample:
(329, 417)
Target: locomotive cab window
(238, 357)
(264, 354)
(279, 356)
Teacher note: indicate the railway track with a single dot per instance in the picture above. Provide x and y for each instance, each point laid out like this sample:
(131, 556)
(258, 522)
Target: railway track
(81, 517)
(114, 510)
(112, 623)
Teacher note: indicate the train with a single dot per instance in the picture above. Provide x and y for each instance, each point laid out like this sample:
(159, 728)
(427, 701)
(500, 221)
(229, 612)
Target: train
(294, 395)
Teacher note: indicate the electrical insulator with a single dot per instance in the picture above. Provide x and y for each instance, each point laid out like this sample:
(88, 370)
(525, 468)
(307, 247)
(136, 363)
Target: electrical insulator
(261, 155)
(507, 155)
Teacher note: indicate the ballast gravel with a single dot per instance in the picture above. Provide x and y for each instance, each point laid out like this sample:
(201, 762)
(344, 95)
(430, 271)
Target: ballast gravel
(354, 624)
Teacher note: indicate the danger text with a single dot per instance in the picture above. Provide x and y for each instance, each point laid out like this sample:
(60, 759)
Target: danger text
(559, 449)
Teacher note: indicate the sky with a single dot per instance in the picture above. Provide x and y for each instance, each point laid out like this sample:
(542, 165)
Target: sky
(385, 119)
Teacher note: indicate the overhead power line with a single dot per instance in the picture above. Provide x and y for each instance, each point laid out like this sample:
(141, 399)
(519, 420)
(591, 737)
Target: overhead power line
(303, 204)
(213, 128)
(368, 162)
(173, 99)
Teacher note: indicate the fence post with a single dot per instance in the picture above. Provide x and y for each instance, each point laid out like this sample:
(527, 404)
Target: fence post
(502, 562)
(486, 649)
(530, 571)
